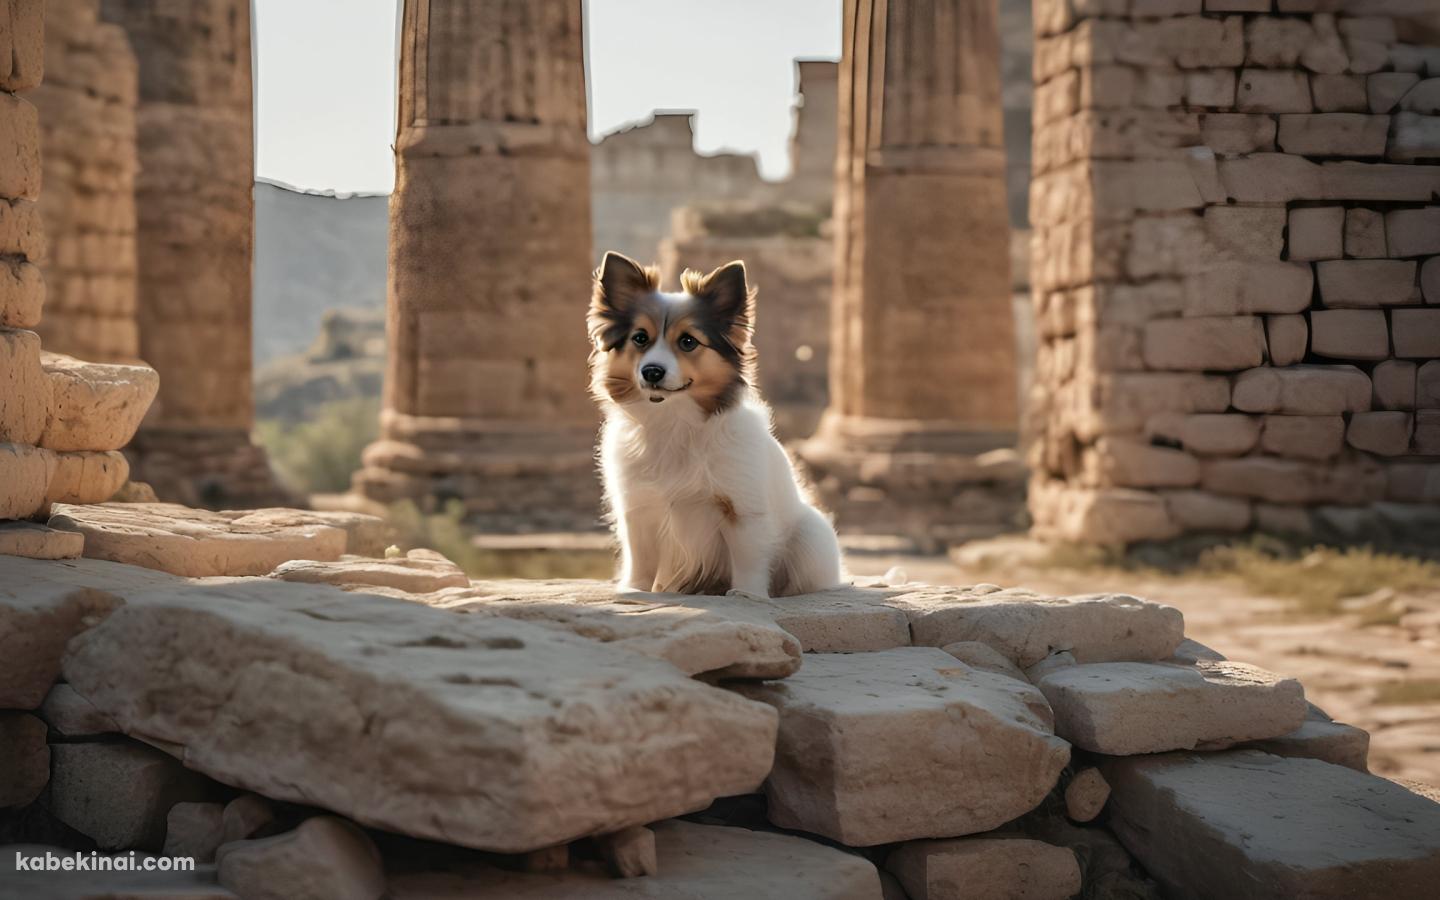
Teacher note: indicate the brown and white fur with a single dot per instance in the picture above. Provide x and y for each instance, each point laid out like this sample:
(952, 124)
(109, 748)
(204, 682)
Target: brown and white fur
(703, 497)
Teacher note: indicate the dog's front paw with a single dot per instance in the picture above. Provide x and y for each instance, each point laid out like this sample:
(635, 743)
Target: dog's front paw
(736, 592)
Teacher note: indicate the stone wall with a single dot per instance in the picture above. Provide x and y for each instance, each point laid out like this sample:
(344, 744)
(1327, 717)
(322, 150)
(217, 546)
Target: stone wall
(790, 259)
(1235, 271)
(87, 133)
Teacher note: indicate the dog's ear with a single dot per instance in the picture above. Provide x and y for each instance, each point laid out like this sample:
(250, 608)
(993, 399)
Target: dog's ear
(729, 300)
(619, 283)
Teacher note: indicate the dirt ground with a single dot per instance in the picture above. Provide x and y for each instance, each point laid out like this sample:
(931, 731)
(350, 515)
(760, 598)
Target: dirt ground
(1384, 678)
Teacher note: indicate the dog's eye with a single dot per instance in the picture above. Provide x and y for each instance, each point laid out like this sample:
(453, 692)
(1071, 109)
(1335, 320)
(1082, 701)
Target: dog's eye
(641, 339)
(687, 343)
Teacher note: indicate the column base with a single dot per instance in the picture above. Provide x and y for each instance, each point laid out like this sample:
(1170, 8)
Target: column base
(935, 483)
(211, 468)
(508, 477)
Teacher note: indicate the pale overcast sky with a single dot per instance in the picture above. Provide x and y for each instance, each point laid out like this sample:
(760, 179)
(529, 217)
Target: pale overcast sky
(325, 78)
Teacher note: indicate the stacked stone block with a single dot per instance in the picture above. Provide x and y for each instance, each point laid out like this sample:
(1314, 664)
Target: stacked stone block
(87, 125)
(62, 421)
(1234, 207)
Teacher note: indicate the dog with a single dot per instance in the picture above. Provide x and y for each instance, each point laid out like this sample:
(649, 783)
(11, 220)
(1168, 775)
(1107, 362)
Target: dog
(703, 498)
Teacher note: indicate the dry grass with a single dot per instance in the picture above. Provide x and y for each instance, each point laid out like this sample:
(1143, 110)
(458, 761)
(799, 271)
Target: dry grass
(446, 532)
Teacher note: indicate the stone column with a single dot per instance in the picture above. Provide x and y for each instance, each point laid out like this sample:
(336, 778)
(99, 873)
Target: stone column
(923, 373)
(194, 199)
(87, 128)
(486, 395)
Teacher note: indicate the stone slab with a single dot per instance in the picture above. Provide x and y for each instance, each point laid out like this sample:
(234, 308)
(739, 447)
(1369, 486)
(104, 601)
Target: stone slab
(71, 716)
(1246, 825)
(532, 736)
(697, 862)
(1129, 708)
(1332, 742)
(979, 749)
(196, 542)
(1027, 627)
(998, 868)
(87, 476)
(326, 858)
(421, 572)
(36, 541)
(24, 759)
(36, 622)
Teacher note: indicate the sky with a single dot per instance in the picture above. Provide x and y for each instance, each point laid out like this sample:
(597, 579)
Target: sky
(325, 78)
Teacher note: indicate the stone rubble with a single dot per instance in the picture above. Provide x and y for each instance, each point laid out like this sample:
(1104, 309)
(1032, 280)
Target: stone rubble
(326, 858)
(991, 868)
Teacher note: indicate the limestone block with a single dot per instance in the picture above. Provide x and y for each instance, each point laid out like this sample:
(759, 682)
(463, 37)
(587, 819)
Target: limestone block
(95, 406)
(1027, 627)
(1271, 178)
(119, 794)
(36, 622)
(1316, 232)
(1284, 827)
(1204, 343)
(22, 293)
(71, 716)
(994, 868)
(695, 861)
(1366, 282)
(1287, 337)
(194, 830)
(21, 232)
(724, 636)
(20, 161)
(1210, 87)
(982, 656)
(630, 852)
(25, 474)
(1334, 134)
(1384, 90)
(1192, 651)
(1273, 518)
(1108, 516)
(1209, 434)
(24, 758)
(198, 543)
(1236, 134)
(1339, 93)
(1302, 437)
(1382, 433)
(1415, 483)
(247, 816)
(1349, 180)
(1273, 91)
(38, 542)
(1254, 231)
(1413, 232)
(1302, 390)
(1416, 333)
(1426, 390)
(1276, 43)
(981, 747)
(1189, 42)
(1427, 432)
(1364, 234)
(24, 390)
(1349, 334)
(416, 573)
(1322, 739)
(1126, 462)
(1202, 511)
(1286, 481)
(326, 858)
(294, 675)
(1422, 98)
(1430, 280)
(1085, 795)
(87, 477)
(1240, 287)
(1129, 708)
(1414, 137)
(1395, 384)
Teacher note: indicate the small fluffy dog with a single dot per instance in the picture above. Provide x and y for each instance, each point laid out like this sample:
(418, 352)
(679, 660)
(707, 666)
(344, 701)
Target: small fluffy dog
(704, 499)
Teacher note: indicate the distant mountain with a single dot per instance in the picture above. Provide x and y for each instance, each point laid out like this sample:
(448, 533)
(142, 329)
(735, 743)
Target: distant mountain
(313, 252)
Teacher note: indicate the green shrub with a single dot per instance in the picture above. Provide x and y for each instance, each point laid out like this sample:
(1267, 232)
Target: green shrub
(319, 456)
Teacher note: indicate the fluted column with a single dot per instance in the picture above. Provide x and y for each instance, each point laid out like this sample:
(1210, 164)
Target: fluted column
(923, 368)
(486, 393)
(195, 239)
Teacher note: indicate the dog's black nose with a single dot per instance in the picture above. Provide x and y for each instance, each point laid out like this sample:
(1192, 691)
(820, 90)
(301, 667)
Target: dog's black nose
(652, 373)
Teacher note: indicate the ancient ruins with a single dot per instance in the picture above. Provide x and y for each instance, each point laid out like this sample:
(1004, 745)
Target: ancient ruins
(1233, 263)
